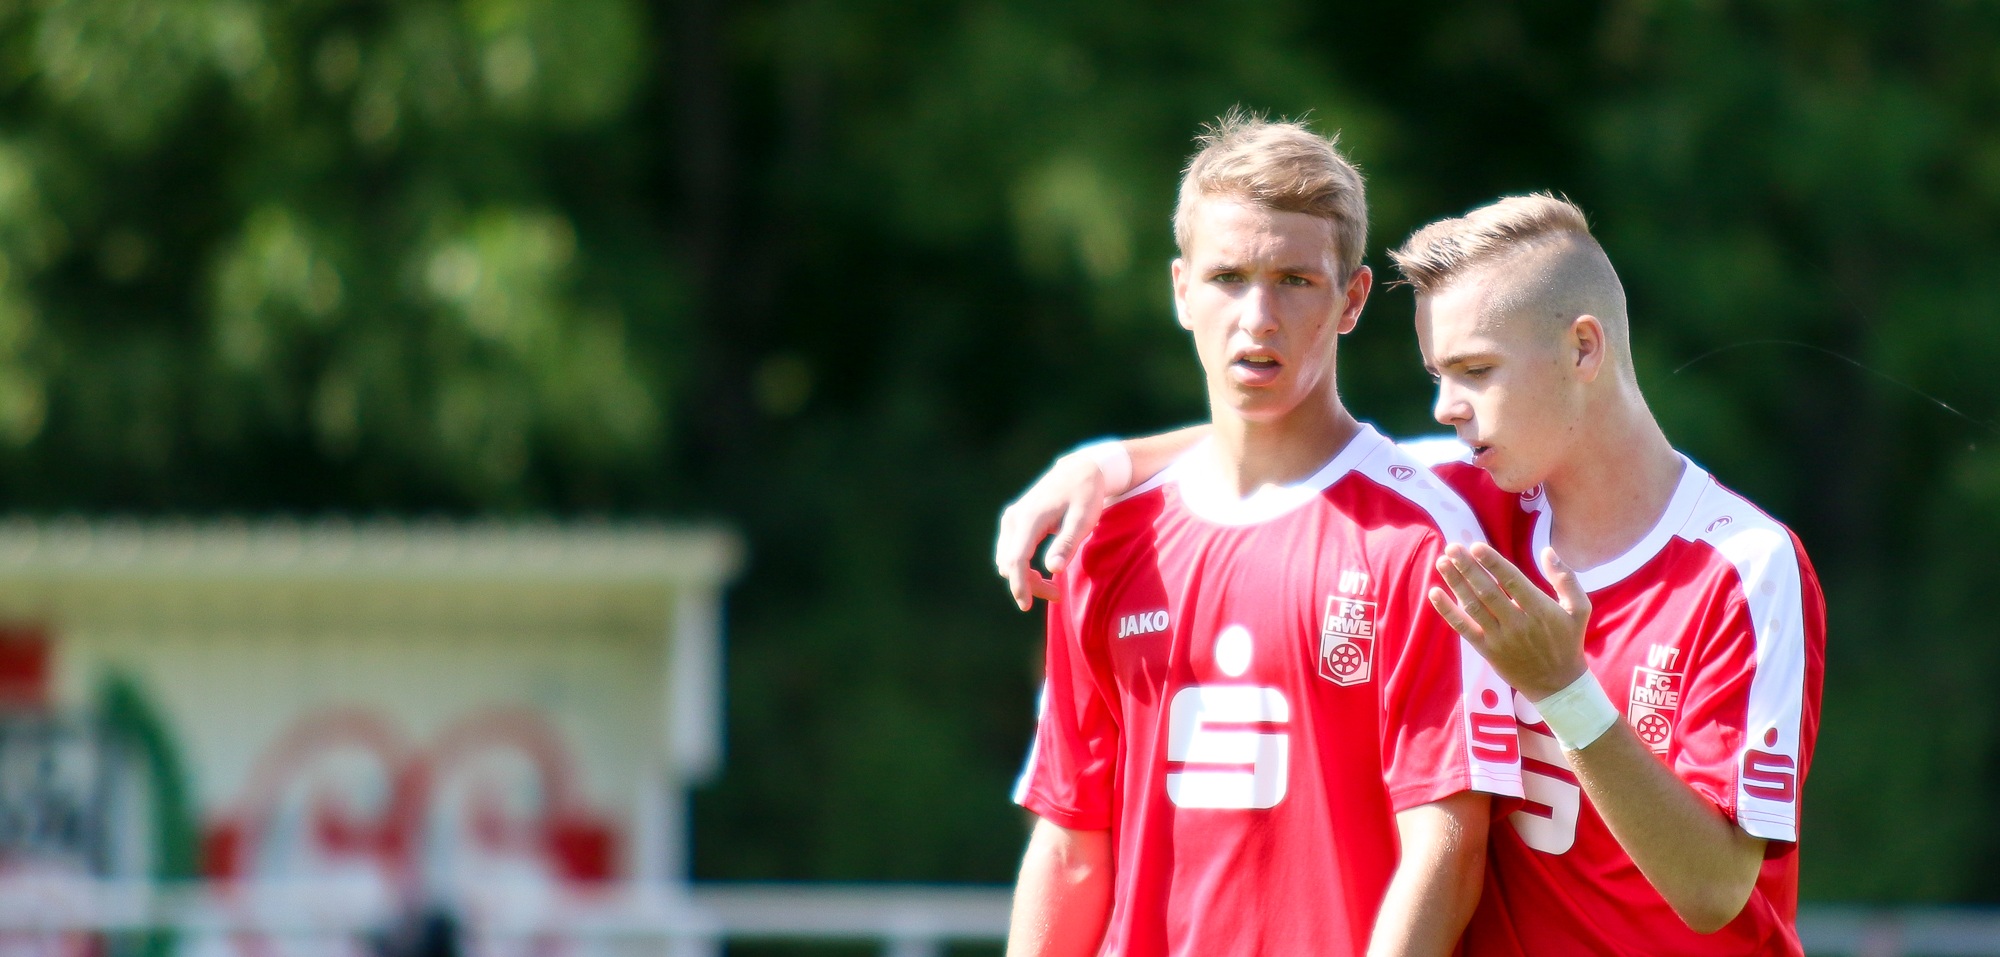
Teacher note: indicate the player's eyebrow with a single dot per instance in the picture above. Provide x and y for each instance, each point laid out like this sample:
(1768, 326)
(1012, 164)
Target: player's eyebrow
(1456, 360)
(1294, 269)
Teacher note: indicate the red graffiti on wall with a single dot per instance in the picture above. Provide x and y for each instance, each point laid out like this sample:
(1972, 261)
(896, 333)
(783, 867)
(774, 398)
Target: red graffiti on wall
(489, 817)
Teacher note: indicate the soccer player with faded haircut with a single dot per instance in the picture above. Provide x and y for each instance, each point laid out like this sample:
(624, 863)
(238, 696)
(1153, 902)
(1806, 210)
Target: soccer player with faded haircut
(1669, 693)
(1257, 736)
(1697, 610)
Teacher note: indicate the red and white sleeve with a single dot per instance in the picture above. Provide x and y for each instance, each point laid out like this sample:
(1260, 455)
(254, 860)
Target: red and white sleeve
(1448, 719)
(1751, 708)
(1072, 764)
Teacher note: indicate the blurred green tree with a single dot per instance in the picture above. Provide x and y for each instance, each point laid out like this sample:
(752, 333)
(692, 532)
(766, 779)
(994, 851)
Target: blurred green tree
(323, 242)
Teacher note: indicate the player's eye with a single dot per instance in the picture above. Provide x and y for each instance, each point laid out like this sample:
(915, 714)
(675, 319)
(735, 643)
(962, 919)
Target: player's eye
(1477, 372)
(1295, 281)
(1230, 277)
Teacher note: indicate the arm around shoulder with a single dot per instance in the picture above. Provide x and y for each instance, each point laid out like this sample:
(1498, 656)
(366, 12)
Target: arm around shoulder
(1065, 502)
(1153, 453)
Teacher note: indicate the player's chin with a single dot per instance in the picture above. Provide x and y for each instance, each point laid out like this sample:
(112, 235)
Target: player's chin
(1505, 474)
(1261, 403)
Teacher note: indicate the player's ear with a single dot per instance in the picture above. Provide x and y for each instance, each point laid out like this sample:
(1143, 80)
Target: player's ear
(1587, 345)
(1355, 296)
(1180, 273)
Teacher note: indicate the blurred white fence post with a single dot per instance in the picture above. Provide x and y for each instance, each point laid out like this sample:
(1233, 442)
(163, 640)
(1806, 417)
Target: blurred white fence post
(694, 946)
(913, 947)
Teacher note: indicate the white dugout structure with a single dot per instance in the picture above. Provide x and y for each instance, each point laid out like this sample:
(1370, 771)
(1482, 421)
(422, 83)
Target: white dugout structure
(281, 739)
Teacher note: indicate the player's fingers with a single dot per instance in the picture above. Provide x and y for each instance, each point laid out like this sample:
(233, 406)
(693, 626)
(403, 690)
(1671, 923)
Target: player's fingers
(1043, 588)
(1020, 584)
(1466, 594)
(1504, 572)
(1077, 522)
(1011, 561)
(1456, 618)
(1569, 591)
(1482, 584)
(1011, 545)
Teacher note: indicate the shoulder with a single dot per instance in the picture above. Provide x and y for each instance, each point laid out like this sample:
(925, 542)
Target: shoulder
(1406, 479)
(1498, 510)
(1759, 570)
(1127, 523)
(1767, 558)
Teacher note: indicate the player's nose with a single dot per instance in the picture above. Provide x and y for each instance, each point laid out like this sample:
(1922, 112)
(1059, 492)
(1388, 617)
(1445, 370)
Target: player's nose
(1259, 315)
(1451, 408)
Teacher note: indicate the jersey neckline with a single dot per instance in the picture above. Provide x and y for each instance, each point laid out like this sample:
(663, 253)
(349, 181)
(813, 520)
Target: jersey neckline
(1687, 494)
(1202, 493)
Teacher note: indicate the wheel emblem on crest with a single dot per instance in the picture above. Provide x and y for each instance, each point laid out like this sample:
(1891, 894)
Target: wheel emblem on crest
(1345, 659)
(1653, 729)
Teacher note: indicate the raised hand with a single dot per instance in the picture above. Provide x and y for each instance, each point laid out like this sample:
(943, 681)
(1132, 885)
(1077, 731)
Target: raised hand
(1535, 642)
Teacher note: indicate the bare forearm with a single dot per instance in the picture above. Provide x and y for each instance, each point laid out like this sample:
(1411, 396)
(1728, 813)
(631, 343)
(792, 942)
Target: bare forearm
(1063, 897)
(1151, 453)
(1438, 879)
(1704, 865)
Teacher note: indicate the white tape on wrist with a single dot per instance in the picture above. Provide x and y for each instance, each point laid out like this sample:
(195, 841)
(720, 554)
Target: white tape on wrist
(1112, 461)
(1578, 714)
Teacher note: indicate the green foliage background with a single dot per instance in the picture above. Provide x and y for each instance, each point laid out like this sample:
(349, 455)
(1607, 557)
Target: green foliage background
(847, 274)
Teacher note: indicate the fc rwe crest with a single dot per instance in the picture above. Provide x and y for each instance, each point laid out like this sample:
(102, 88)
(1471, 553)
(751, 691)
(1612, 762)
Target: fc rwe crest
(1347, 640)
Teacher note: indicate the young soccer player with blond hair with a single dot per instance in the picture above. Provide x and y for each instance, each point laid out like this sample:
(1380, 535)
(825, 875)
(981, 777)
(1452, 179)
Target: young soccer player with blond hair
(1257, 735)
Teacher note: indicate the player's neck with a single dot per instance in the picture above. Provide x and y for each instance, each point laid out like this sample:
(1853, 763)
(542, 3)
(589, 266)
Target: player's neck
(1281, 451)
(1613, 486)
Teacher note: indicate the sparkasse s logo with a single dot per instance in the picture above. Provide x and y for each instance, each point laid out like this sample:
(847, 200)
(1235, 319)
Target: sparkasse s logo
(1144, 623)
(1771, 775)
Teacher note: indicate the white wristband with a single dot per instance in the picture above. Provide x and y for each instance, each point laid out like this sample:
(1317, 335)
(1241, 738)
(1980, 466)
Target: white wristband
(1112, 461)
(1578, 714)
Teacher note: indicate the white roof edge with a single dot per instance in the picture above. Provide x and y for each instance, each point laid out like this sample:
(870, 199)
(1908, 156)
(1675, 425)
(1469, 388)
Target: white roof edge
(281, 549)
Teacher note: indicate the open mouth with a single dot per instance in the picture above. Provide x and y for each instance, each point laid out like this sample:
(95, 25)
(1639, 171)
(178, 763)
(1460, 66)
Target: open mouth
(1255, 370)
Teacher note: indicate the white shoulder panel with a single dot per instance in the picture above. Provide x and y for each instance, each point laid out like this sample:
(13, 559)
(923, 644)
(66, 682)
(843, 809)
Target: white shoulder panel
(1392, 467)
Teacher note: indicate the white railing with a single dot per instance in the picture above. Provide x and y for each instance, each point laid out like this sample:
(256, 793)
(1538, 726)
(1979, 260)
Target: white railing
(908, 920)
(1896, 932)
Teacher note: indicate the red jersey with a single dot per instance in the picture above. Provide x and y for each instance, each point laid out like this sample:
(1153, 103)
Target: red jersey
(1245, 692)
(1710, 636)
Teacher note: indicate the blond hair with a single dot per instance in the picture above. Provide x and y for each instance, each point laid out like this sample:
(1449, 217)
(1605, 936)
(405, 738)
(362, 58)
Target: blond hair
(1279, 165)
(1555, 267)
(1446, 250)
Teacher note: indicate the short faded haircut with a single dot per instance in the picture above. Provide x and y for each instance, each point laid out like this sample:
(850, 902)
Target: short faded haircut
(1554, 265)
(1279, 165)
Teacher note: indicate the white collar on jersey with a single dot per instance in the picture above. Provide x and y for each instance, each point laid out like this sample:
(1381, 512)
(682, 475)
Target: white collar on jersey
(1202, 491)
(1687, 494)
